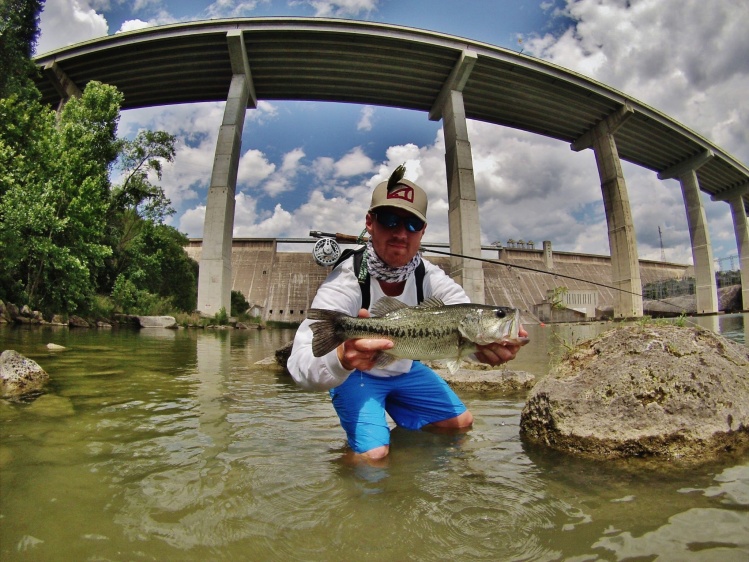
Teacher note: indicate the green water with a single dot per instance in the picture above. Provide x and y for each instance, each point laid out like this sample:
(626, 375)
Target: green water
(175, 445)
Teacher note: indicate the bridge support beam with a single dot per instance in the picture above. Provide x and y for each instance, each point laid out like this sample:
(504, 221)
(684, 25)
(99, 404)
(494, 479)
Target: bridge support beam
(734, 197)
(702, 253)
(625, 267)
(741, 228)
(463, 212)
(214, 276)
(65, 87)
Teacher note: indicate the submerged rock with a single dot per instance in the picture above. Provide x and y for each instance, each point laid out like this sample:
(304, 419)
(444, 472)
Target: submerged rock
(500, 380)
(650, 391)
(19, 375)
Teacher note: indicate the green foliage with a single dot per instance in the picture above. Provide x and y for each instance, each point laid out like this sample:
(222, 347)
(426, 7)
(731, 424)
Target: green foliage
(139, 159)
(239, 304)
(19, 30)
(557, 297)
(65, 233)
(221, 317)
(54, 194)
(128, 298)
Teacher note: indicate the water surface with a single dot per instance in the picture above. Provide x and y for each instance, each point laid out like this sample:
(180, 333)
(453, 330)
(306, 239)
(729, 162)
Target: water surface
(175, 445)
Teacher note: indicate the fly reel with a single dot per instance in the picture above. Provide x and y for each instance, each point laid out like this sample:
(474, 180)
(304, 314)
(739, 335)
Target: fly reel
(326, 252)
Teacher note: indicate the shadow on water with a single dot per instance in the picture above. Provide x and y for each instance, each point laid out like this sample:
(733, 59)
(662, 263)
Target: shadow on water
(175, 445)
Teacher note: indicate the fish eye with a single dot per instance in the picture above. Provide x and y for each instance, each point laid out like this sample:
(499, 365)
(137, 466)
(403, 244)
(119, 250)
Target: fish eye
(499, 313)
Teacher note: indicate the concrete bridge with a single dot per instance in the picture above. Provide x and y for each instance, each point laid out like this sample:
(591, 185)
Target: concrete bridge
(448, 78)
(281, 284)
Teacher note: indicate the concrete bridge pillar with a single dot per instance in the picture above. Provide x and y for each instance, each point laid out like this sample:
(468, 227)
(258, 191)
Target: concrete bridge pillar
(702, 252)
(214, 276)
(463, 212)
(741, 228)
(625, 267)
(734, 197)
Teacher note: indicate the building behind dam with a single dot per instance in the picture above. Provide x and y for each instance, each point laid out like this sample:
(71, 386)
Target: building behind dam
(280, 285)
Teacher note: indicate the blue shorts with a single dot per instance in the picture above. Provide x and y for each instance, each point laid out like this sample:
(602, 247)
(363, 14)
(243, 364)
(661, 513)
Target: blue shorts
(413, 400)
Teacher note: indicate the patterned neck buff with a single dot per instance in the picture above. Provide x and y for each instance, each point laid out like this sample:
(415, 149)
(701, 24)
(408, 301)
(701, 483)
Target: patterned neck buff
(383, 272)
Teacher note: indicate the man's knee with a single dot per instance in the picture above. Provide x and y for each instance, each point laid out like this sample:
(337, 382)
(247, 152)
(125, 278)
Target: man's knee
(460, 421)
(377, 453)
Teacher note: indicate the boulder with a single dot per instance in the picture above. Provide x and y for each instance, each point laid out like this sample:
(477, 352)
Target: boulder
(282, 355)
(19, 375)
(656, 391)
(157, 321)
(500, 380)
(78, 322)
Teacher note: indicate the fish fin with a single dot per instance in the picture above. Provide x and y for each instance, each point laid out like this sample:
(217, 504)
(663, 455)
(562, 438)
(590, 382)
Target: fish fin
(386, 305)
(324, 335)
(384, 359)
(431, 302)
(453, 365)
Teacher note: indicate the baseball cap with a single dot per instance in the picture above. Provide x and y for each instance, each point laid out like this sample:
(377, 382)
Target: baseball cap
(404, 195)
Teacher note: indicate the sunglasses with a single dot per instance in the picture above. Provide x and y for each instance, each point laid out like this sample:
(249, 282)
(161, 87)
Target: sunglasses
(391, 220)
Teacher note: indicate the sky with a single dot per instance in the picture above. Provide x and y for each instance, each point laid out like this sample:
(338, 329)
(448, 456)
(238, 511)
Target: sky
(312, 166)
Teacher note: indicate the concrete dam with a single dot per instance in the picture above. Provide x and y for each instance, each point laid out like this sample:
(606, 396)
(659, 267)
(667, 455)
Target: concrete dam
(280, 285)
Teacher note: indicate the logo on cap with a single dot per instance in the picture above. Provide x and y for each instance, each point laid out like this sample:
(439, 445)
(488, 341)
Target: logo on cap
(406, 193)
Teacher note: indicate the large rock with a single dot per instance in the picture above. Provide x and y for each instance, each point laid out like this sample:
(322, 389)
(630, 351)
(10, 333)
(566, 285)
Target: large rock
(19, 375)
(157, 321)
(650, 391)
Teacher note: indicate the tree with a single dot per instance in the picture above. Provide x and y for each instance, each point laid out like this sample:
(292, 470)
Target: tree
(19, 31)
(54, 195)
(148, 256)
(65, 233)
(136, 200)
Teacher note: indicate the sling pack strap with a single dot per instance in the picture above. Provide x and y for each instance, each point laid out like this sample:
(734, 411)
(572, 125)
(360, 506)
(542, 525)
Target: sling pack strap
(419, 272)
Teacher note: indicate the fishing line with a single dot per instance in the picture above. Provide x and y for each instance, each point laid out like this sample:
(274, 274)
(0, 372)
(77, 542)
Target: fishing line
(554, 273)
(360, 240)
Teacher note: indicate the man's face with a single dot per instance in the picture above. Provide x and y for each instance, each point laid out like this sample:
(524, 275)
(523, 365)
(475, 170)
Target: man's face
(396, 245)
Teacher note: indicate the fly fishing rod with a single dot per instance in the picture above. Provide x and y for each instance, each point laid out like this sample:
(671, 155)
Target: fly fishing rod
(328, 248)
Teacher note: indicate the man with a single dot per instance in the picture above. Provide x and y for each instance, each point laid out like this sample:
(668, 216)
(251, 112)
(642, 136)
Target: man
(413, 394)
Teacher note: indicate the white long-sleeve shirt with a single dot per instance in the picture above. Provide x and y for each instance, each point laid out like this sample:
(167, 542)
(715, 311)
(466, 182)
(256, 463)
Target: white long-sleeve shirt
(340, 291)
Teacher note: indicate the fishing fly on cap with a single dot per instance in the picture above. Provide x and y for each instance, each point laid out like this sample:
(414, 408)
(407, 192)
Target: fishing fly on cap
(396, 177)
(401, 194)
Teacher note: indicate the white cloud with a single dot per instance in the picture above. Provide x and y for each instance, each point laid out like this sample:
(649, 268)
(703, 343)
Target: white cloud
(282, 180)
(133, 25)
(354, 163)
(339, 8)
(365, 118)
(248, 225)
(232, 8)
(66, 22)
(191, 222)
(253, 169)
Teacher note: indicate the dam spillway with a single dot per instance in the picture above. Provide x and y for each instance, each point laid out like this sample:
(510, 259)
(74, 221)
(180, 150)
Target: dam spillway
(280, 285)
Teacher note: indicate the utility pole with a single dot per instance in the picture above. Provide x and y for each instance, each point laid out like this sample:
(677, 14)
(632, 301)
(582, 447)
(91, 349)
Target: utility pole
(663, 252)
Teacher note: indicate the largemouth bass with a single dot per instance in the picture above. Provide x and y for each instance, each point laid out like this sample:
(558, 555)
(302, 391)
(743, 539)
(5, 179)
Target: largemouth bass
(429, 331)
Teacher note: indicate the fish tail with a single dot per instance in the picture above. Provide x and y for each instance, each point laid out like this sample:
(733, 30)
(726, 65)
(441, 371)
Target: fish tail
(325, 334)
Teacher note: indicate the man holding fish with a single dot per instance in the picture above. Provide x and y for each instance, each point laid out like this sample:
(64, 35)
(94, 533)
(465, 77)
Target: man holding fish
(368, 359)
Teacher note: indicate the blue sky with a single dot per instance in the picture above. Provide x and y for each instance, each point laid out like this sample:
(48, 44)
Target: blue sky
(311, 166)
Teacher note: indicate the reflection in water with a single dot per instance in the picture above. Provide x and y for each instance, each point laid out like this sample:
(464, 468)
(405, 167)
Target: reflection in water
(176, 446)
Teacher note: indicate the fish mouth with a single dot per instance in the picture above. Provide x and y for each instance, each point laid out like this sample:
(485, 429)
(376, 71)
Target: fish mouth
(512, 337)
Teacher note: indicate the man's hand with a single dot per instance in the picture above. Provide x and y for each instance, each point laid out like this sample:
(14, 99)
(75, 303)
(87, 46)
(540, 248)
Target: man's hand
(498, 353)
(361, 353)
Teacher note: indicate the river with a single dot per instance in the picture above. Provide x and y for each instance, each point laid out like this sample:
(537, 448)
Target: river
(176, 445)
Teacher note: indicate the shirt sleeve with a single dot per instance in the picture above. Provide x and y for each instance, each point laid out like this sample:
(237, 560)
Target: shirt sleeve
(340, 291)
(439, 285)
